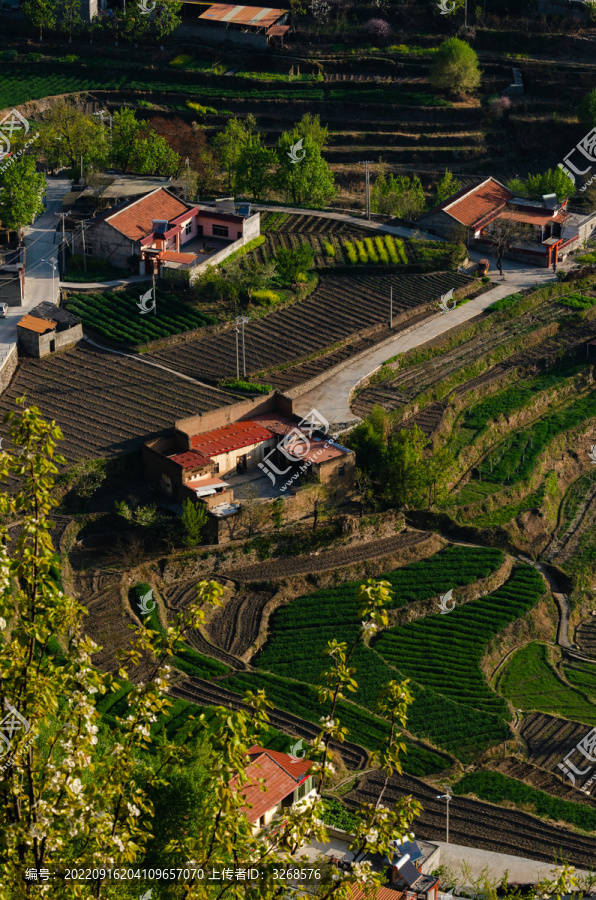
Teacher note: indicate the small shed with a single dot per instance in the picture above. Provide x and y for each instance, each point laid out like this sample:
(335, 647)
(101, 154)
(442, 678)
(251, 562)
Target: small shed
(48, 328)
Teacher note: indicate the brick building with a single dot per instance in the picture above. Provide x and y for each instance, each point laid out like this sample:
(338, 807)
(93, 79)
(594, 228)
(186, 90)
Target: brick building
(154, 228)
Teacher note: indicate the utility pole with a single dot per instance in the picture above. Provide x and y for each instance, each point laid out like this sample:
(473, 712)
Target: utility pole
(83, 224)
(465, 13)
(154, 297)
(62, 250)
(391, 306)
(52, 262)
(237, 360)
(446, 797)
(241, 320)
(367, 163)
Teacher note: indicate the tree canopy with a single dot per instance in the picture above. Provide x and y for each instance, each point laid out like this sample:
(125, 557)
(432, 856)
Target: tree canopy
(456, 68)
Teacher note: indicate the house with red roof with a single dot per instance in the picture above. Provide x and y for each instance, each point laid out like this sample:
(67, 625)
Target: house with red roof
(549, 233)
(286, 781)
(204, 456)
(159, 231)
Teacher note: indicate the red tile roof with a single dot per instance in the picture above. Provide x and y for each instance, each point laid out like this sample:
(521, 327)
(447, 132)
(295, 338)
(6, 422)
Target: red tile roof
(191, 459)
(282, 776)
(230, 437)
(531, 216)
(135, 219)
(173, 256)
(474, 202)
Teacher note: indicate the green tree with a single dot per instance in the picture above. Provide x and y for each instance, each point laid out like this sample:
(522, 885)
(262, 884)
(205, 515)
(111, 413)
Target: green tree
(292, 263)
(152, 155)
(586, 111)
(447, 186)
(21, 196)
(553, 181)
(403, 472)
(246, 275)
(455, 68)
(125, 130)
(70, 16)
(67, 134)
(252, 168)
(302, 174)
(194, 519)
(228, 145)
(168, 16)
(133, 23)
(398, 195)
(41, 14)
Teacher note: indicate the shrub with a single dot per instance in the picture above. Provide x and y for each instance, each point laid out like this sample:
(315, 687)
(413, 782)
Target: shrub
(381, 250)
(8, 55)
(329, 249)
(194, 518)
(238, 385)
(265, 298)
(391, 249)
(181, 61)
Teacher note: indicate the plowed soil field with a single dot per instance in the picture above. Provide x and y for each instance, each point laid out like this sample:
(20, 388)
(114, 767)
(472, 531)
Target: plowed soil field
(106, 404)
(476, 824)
(339, 307)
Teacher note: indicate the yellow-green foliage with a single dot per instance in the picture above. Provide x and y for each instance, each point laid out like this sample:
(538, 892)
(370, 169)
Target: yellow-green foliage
(265, 298)
(370, 249)
(181, 61)
(381, 251)
(351, 251)
(329, 249)
(362, 254)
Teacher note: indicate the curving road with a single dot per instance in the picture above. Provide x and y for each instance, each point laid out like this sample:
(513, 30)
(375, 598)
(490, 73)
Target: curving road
(332, 397)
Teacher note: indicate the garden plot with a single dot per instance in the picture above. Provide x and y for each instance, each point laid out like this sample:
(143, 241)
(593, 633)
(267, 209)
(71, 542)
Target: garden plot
(339, 307)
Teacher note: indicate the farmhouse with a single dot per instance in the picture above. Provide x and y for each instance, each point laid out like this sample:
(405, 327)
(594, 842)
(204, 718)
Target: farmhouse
(549, 231)
(286, 779)
(203, 456)
(12, 274)
(150, 231)
(48, 328)
(250, 26)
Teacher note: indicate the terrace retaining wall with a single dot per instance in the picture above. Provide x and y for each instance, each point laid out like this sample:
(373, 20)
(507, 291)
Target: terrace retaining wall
(9, 361)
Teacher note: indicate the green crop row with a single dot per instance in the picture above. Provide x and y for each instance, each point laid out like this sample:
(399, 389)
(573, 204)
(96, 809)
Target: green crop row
(497, 788)
(376, 250)
(117, 315)
(577, 301)
(301, 630)
(364, 728)
(516, 457)
(444, 652)
(516, 397)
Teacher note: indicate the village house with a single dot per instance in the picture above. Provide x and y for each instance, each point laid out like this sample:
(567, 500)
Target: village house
(287, 782)
(159, 231)
(48, 328)
(12, 273)
(203, 456)
(249, 26)
(550, 232)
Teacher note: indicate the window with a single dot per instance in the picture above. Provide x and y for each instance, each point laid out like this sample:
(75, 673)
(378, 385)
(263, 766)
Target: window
(304, 789)
(89, 249)
(341, 471)
(220, 230)
(188, 228)
(216, 469)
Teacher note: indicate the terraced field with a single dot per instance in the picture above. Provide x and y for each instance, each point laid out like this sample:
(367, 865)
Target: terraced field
(106, 404)
(338, 308)
(476, 824)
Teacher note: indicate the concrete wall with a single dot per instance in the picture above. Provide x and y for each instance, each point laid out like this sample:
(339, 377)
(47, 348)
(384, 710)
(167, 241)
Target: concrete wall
(217, 418)
(108, 244)
(8, 365)
(254, 455)
(252, 229)
(218, 35)
(439, 222)
(338, 474)
(40, 345)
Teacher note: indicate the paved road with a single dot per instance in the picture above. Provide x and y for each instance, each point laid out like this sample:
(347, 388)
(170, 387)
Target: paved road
(331, 398)
(398, 230)
(39, 241)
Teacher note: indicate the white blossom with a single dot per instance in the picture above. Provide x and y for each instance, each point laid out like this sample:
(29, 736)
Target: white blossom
(2, 623)
(372, 836)
(369, 627)
(76, 785)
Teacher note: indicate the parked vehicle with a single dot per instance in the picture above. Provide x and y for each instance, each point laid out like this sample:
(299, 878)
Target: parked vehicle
(3, 310)
(483, 267)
